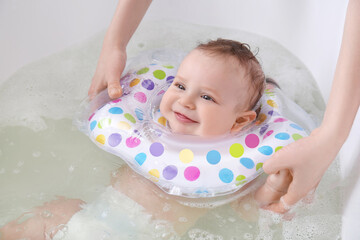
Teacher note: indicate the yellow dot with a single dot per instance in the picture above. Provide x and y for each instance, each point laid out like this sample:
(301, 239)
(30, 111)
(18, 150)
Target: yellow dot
(104, 123)
(236, 150)
(123, 125)
(272, 103)
(162, 121)
(259, 166)
(134, 82)
(155, 174)
(278, 148)
(262, 117)
(186, 155)
(241, 179)
(101, 139)
(296, 136)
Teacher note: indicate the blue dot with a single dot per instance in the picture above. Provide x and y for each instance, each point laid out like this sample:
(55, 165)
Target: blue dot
(226, 175)
(282, 136)
(170, 79)
(201, 191)
(273, 113)
(140, 158)
(139, 114)
(296, 126)
(266, 150)
(116, 110)
(263, 129)
(213, 157)
(148, 84)
(93, 125)
(247, 162)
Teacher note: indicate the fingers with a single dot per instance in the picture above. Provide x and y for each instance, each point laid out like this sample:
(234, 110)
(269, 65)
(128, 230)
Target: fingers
(289, 199)
(95, 87)
(275, 163)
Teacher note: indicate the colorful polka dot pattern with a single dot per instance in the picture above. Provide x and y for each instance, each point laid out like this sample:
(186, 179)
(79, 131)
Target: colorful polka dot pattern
(191, 169)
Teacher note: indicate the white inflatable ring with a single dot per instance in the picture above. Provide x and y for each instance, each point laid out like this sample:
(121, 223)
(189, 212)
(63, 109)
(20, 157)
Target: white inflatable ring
(132, 128)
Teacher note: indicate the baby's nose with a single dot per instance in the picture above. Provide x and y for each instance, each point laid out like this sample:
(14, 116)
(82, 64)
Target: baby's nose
(188, 102)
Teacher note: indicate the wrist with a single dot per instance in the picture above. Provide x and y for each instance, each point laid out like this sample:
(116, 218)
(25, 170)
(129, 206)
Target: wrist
(333, 137)
(114, 42)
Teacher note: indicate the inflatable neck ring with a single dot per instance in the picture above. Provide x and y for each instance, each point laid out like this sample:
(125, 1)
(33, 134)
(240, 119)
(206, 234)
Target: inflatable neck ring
(132, 128)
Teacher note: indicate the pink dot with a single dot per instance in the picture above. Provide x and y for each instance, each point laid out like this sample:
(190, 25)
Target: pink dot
(161, 92)
(116, 100)
(280, 120)
(132, 142)
(252, 140)
(140, 96)
(91, 116)
(191, 173)
(268, 133)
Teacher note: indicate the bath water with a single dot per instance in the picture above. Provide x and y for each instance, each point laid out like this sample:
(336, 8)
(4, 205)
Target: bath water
(42, 155)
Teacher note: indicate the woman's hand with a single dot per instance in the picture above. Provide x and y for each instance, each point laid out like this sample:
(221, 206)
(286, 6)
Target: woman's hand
(110, 66)
(307, 160)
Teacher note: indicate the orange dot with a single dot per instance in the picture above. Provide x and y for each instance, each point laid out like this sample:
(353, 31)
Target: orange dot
(162, 121)
(134, 82)
(262, 117)
(272, 103)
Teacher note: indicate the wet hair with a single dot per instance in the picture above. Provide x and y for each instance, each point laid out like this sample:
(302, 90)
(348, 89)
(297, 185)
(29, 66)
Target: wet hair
(241, 52)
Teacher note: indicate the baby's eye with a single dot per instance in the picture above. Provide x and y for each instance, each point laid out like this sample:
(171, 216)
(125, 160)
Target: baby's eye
(208, 98)
(178, 85)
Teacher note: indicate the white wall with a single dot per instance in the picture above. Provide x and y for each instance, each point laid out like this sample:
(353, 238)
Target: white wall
(311, 29)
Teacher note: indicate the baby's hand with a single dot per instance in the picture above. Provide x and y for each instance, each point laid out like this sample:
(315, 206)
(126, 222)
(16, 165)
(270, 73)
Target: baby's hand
(276, 185)
(110, 66)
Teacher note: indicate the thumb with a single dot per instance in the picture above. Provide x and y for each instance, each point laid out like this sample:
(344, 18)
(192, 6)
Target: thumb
(114, 88)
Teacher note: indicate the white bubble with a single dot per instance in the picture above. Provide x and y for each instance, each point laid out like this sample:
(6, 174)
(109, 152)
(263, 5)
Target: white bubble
(183, 219)
(36, 154)
(20, 163)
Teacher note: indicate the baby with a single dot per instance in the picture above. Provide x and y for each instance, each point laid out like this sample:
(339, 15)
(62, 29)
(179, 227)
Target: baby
(214, 92)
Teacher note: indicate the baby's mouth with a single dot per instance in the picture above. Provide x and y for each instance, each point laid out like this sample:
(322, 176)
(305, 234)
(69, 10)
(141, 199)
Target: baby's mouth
(182, 118)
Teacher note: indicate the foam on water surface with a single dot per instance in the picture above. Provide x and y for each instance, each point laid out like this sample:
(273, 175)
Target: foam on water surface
(38, 141)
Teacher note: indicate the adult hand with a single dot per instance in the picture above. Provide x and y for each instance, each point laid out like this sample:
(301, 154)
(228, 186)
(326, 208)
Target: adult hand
(307, 160)
(110, 66)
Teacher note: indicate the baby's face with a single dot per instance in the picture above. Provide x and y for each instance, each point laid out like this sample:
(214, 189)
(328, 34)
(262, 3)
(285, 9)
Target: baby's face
(204, 98)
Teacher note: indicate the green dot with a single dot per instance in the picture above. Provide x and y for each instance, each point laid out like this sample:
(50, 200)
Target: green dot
(104, 123)
(240, 180)
(142, 71)
(236, 150)
(259, 166)
(278, 148)
(159, 74)
(296, 136)
(168, 66)
(130, 117)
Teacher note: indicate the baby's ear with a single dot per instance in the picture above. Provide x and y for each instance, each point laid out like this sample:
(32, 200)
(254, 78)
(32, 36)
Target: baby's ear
(241, 121)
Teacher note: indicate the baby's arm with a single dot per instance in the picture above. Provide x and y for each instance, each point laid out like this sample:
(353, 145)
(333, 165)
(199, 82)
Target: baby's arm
(43, 222)
(160, 205)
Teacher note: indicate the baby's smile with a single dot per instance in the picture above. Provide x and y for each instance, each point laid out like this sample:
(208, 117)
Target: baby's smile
(183, 118)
